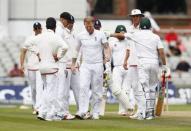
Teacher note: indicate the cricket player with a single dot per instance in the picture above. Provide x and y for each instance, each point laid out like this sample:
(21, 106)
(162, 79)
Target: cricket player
(51, 48)
(133, 92)
(106, 74)
(33, 74)
(148, 48)
(67, 78)
(91, 42)
(120, 75)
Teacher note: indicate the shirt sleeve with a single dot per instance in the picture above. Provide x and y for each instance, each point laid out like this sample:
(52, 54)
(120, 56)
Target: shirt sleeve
(31, 44)
(28, 43)
(59, 31)
(103, 38)
(62, 46)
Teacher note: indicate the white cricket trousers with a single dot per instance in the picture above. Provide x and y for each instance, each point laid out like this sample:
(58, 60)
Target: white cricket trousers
(72, 82)
(36, 84)
(90, 74)
(49, 104)
(148, 80)
(63, 97)
(119, 79)
(137, 95)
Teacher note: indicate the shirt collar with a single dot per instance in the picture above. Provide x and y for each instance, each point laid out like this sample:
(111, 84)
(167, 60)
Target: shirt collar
(49, 30)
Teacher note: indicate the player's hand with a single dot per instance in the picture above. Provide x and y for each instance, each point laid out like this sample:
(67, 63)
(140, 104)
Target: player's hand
(165, 70)
(106, 59)
(73, 68)
(38, 55)
(55, 58)
(125, 66)
(22, 68)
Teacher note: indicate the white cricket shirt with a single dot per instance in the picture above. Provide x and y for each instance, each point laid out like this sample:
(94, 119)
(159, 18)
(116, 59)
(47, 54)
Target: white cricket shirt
(147, 45)
(91, 46)
(132, 60)
(49, 44)
(118, 48)
(70, 38)
(32, 59)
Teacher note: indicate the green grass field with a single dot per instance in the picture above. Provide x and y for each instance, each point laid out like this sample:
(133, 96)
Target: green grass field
(15, 119)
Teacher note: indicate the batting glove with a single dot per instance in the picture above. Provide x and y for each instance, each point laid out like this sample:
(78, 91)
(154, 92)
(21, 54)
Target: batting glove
(166, 70)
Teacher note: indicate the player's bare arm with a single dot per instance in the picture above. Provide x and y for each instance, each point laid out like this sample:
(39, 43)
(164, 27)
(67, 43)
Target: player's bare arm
(118, 35)
(22, 57)
(162, 55)
(126, 59)
(107, 52)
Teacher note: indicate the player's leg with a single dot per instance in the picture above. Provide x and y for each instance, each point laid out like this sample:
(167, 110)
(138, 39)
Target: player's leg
(44, 105)
(153, 83)
(116, 89)
(32, 83)
(66, 94)
(85, 79)
(51, 99)
(63, 90)
(39, 89)
(97, 89)
(75, 85)
(144, 102)
(133, 74)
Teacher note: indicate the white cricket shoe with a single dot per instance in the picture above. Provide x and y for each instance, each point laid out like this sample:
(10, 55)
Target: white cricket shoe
(41, 116)
(150, 118)
(83, 116)
(137, 116)
(95, 117)
(123, 113)
(68, 117)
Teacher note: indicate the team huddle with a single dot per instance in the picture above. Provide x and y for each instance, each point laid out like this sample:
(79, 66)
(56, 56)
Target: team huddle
(60, 59)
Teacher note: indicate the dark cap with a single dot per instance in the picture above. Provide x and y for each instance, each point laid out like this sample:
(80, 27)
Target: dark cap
(67, 16)
(72, 20)
(50, 23)
(36, 25)
(120, 28)
(97, 24)
(145, 24)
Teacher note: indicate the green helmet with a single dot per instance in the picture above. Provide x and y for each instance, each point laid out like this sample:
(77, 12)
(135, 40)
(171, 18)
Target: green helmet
(120, 28)
(145, 23)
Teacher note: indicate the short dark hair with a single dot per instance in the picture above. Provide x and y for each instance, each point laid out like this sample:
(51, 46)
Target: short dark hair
(65, 15)
(50, 23)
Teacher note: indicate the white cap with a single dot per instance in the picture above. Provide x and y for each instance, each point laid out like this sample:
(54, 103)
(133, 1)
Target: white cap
(136, 12)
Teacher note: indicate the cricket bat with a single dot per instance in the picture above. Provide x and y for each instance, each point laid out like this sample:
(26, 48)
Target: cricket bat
(161, 96)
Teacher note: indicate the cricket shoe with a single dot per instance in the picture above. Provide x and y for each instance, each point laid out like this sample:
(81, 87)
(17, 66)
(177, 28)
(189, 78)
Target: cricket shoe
(41, 116)
(130, 112)
(137, 116)
(150, 118)
(123, 113)
(68, 117)
(83, 116)
(95, 117)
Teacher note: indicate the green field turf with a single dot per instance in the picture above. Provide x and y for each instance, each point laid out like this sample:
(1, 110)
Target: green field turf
(15, 119)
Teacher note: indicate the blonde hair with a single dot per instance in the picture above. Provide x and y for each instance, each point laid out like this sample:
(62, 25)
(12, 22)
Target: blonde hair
(89, 20)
